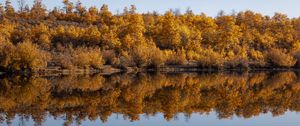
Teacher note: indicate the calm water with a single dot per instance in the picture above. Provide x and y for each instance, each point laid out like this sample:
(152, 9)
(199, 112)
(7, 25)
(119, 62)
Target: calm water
(217, 99)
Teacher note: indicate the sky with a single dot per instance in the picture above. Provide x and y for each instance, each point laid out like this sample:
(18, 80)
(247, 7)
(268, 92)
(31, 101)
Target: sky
(209, 7)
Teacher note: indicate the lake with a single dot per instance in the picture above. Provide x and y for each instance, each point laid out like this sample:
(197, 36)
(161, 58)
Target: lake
(152, 99)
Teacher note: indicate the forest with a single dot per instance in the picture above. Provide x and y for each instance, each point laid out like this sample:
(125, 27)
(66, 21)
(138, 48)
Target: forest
(76, 99)
(80, 37)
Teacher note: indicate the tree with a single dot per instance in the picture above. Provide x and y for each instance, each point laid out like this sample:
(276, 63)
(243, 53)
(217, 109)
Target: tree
(24, 55)
(38, 11)
(68, 6)
(30, 56)
(91, 15)
(80, 10)
(228, 34)
(21, 4)
(41, 36)
(105, 15)
(109, 38)
(1, 10)
(9, 9)
(133, 31)
(169, 36)
(132, 9)
(283, 30)
(280, 59)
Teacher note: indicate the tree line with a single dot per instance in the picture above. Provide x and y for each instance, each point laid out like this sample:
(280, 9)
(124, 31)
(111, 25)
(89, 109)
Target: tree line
(79, 37)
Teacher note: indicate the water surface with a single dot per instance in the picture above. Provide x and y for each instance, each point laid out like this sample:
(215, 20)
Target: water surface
(182, 99)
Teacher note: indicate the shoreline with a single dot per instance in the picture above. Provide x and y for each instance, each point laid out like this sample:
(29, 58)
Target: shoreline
(110, 70)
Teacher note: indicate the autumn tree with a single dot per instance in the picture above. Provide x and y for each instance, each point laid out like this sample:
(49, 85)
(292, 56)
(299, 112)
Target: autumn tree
(68, 6)
(38, 11)
(9, 9)
(133, 29)
(237, 40)
(105, 16)
(228, 34)
(169, 36)
(1, 10)
(80, 9)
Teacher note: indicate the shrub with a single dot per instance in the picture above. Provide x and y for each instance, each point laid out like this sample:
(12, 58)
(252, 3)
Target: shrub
(40, 35)
(210, 59)
(145, 55)
(110, 57)
(296, 55)
(175, 57)
(45, 41)
(6, 54)
(237, 62)
(257, 59)
(141, 55)
(25, 55)
(126, 59)
(30, 56)
(278, 58)
(95, 58)
(193, 55)
(64, 59)
(81, 57)
(157, 57)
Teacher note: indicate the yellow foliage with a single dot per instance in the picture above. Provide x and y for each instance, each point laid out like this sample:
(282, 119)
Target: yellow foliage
(30, 56)
(257, 58)
(148, 55)
(25, 55)
(210, 58)
(278, 58)
(81, 57)
(151, 40)
(175, 57)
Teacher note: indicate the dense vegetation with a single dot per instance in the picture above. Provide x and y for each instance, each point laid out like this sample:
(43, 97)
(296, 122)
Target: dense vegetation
(78, 98)
(80, 37)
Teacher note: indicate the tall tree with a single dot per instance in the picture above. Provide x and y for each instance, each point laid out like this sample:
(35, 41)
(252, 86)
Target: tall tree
(9, 9)
(228, 33)
(22, 5)
(80, 10)
(68, 6)
(169, 36)
(134, 28)
(38, 11)
(105, 15)
(1, 9)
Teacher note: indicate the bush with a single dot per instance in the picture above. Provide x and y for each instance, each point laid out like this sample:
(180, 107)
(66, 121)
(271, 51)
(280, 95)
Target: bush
(25, 55)
(65, 60)
(157, 57)
(211, 59)
(110, 57)
(237, 62)
(147, 55)
(278, 58)
(257, 59)
(126, 59)
(193, 55)
(7, 54)
(30, 56)
(175, 58)
(141, 55)
(296, 55)
(81, 57)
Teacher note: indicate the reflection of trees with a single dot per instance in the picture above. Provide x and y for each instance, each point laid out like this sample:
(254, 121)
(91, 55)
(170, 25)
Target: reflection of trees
(92, 97)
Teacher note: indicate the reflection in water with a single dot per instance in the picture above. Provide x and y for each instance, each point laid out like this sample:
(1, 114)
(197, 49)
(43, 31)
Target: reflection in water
(98, 97)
